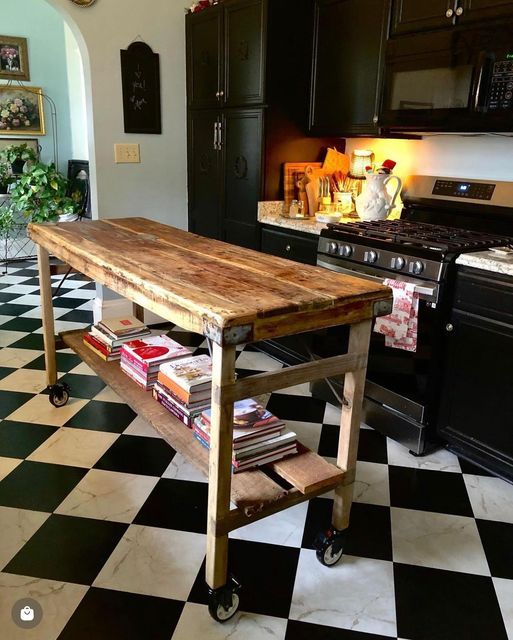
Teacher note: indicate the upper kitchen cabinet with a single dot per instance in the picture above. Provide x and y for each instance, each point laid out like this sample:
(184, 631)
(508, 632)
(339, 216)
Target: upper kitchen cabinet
(349, 37)
(226, 55)
(412, 16)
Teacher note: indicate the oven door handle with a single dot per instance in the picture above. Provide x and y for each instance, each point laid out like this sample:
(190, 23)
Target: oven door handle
(425, 290)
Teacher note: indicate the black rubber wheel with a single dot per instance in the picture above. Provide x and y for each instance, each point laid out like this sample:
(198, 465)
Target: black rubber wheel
(223, 603)
(329, 547)
(59, 394)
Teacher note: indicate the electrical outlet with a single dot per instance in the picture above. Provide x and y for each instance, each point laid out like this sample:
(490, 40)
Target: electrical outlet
(126, 153)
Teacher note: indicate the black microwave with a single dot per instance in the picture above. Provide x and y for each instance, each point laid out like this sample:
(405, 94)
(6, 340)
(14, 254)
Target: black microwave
(453, 80)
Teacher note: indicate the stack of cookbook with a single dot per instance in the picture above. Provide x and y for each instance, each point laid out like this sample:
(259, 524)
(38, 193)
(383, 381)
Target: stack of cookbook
(108, 336)
(184, 386)
(258, 435)
(141, 359)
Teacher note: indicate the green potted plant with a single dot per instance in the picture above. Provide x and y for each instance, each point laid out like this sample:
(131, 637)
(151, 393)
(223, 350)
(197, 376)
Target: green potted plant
(17, 155)
(5, 177)
(40, 193)
(7, 223)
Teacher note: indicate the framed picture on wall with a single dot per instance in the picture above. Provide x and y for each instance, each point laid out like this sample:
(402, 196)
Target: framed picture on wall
(21, 111)
(32, 143)
(14, 63)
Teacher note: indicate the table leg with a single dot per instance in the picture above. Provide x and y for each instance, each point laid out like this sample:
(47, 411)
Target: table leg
(45, 285)
(220, 462)
(354, 385)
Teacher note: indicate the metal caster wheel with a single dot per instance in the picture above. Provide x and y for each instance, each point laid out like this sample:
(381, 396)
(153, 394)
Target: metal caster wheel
(223, 603)
(330, 547)
(59, 394)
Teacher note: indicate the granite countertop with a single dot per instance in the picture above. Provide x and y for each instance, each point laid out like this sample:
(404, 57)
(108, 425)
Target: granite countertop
(269, 212)
(488, 261)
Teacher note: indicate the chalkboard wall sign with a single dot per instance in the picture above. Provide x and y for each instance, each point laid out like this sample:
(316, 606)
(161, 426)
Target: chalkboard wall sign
(140, 76)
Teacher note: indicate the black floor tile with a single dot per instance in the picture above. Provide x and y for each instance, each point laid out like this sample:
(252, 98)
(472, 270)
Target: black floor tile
(186, 338)
(266, 572)
(39, 486)
(369, 534)
(242, 373)
(473, 469)
(497, 539)
(10, 308)
(297, 630)
(137, 454)
(102, 416)
(69, 303)
(33, 281)
(436, 491)
(372, 446)
(185, 506)
(77, 315)
(12, 400)
(25, 271)
(300, 408)
(84, 386)
(68, 549)
(65, 362)
(20, 439)
(5, 371)
(113, 615)
(22, 324)
(444, 605)
(90, 286)
(32, 341)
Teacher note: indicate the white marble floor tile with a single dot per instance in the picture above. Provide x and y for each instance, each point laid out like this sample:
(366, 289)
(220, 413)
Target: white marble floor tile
(284, 528)
(12, 279)
(108, 495)
(356, 594)
(437, 540)
(504, 591)
(154, 561)
(441, 460)
(87, 306)
(491, 498)
(10, 357)
(297, 390)
(21, 289)
(371, 485)
(180, 469)
(17, 527)
(139, 427)
(309, 433)
(39, 411)
(74, 447)
(4, 319)
(57, 599)
(63, 325)
(25, 380)
(82, 294)
(258, 361)
(7, 465)
(109, 395)
(83, 369)
(9, 337)
(28, 300)
(36, 312)
(331, 414)
(195, 622)
(73, 283)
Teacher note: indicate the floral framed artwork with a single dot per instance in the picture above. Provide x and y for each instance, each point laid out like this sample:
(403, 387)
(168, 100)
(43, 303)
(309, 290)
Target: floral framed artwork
(21, 111)
(14, 63)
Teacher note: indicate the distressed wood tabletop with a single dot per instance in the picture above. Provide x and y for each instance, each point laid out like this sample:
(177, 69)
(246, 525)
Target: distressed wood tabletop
(229, 294)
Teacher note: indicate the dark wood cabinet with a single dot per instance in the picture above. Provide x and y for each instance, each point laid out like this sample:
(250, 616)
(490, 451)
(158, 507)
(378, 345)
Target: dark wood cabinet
(476, 415)
(298, 246)
(346, 66)
(204, 56)
(411, 16)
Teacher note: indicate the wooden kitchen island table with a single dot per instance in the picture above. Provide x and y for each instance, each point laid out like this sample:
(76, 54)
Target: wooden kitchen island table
(231, 296)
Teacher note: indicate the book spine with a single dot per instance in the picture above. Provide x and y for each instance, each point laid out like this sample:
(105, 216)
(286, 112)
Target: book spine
(192, 412)
(172, 408)
(201, 441)
(129, 357)
(101, 337)
(132, 377)
(96, 351)
(96, 344)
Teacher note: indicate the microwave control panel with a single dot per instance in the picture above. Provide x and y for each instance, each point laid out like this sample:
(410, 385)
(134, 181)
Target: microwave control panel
(501, 86)
(464, 189)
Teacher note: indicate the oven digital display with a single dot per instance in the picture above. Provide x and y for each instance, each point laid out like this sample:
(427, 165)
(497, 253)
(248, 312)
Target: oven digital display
(470, 190)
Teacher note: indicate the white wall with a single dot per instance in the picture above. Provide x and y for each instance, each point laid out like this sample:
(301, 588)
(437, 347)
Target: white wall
(156, 188)
(77, 97)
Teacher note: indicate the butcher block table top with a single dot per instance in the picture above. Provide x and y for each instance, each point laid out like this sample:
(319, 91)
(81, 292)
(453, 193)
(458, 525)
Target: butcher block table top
(229, 294)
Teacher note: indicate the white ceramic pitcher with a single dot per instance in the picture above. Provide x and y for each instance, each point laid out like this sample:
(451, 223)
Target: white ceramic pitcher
(375, 203)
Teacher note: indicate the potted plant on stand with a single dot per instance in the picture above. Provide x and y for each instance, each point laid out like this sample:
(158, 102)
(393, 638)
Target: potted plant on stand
(5, 179)
(17, 155)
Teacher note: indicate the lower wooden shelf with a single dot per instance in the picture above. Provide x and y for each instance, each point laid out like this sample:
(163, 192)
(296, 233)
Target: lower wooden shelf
(254, 492)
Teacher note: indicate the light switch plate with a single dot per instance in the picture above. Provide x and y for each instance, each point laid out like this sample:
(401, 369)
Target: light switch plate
(124, 153)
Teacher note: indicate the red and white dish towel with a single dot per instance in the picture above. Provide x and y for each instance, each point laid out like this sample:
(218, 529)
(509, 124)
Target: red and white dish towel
(400, 327)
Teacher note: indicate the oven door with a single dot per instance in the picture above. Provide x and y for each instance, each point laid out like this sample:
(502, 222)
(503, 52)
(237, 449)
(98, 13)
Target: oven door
(450, 80)
(402, 387)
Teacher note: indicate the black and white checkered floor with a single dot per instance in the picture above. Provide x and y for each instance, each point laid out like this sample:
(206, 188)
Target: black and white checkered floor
(104, 524)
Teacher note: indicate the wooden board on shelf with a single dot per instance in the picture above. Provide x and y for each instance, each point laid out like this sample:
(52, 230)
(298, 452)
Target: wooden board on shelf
(230, 294)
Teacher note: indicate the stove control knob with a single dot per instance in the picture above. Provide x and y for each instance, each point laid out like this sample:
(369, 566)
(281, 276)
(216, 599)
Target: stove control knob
(417, 267)
(333, 247)
(346, 250)
(370, 256)
(398, 263)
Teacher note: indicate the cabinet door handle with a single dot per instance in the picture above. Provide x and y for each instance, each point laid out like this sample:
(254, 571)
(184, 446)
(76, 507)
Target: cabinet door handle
(219, 136)
(449, 328)
(216, 144)
(449, 13)
(288, 248)
(459, 11)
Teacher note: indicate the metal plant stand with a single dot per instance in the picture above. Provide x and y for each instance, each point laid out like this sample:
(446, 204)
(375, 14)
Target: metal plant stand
(14, 243)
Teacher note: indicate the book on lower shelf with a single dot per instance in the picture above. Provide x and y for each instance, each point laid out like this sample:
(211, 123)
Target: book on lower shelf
(106, 344)
(141, 358)
(259, 436)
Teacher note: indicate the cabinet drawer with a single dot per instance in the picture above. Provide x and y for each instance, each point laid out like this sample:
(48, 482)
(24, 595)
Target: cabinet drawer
(286, 245)
(485, 294)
